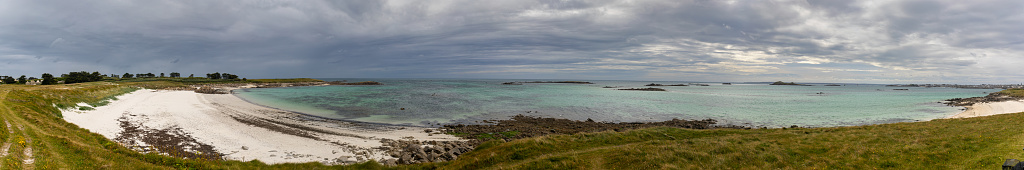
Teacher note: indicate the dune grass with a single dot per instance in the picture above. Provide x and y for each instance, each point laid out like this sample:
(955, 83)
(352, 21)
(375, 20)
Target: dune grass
(971, 143)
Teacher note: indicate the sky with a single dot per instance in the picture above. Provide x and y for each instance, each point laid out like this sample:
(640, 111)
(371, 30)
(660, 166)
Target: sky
(841, 41)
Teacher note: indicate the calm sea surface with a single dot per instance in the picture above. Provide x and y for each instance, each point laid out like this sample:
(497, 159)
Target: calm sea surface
(430, 101)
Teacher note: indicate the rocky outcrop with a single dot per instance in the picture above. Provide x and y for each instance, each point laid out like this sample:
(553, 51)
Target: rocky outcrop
(644, 89)
(653, 84)
(569, 82)
(414, 151)
(356, 83)
(784, 83)
(210, 90)
(521, 126)
(990, 98)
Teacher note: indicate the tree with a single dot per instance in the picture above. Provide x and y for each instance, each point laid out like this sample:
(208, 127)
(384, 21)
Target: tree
(48, 79)
(95, 76)
(190, 75)
(9, 80)
(150, 75)
(161, 75)
(126, 75)
(175, 74)
(22, 79)
(77, 77)
(213, 75)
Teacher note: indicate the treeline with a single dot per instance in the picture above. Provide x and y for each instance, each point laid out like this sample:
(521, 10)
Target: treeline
(82, 77)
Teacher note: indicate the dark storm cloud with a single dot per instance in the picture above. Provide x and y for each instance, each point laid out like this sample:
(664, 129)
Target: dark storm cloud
(937, 41)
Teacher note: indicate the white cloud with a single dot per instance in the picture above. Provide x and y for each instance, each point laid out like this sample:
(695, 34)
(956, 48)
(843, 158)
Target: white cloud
(785, 39)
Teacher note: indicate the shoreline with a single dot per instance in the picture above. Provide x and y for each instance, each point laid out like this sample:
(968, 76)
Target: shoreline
(231, 92)
(224, 126)
(990, 108)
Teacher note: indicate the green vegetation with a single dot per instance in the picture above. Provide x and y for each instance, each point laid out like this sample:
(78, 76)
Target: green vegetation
(972, 143)
(1014, 92)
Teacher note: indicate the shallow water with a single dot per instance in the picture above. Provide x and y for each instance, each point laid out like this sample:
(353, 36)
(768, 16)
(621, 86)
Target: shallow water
(428, 102)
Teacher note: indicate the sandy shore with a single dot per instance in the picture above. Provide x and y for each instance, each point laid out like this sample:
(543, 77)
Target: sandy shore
(240, 130)
(993, 108)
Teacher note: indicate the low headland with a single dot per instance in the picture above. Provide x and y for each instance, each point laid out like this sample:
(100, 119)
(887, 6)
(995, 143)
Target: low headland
(36, 135)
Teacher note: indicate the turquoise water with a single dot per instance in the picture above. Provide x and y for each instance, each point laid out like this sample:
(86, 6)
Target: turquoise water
(429, 102)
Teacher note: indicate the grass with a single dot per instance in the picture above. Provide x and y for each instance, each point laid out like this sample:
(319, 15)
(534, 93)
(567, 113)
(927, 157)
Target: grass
(1014, 92)
(972, 143)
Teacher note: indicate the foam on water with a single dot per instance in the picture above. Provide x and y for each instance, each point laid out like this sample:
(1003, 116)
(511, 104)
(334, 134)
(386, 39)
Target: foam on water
(428, 102)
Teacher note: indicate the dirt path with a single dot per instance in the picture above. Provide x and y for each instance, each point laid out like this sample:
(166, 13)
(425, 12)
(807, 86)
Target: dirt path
(27, 158)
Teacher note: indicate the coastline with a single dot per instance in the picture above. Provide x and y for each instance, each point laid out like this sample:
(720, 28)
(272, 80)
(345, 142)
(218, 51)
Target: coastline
(224, 126)
(990, 108)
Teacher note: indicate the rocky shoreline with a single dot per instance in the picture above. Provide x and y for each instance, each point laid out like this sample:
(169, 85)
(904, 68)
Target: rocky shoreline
(990, 98)
(521, 126)
(226, 88)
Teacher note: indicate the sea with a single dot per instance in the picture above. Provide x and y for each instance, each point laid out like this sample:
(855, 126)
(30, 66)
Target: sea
(434, 102)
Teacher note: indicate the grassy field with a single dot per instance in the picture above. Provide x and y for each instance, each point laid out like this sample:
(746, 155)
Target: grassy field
(37, 133)
(1014, 92)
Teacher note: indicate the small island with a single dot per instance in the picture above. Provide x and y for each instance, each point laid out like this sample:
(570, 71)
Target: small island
(567, 82)
(653, 84)
(784, 83)
(644, 89)
(356, 83)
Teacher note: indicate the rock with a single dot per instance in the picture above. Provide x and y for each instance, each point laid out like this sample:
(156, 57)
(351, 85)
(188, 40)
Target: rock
(210, 90)
(245, 148)
(405, 159)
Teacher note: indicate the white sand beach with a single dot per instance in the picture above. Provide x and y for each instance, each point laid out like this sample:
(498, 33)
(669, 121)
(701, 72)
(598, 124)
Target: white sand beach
(988, 109)
(245, 131)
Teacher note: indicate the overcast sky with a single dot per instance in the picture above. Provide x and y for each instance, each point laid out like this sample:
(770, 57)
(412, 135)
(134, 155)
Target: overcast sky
(884, 41)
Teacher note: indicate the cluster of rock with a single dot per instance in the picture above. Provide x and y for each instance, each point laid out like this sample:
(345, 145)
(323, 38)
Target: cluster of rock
(991, 97)
(653, 84)
(521, 126)
(789, 84)
(414, 151)
(356, 83)
(210, 90)
(222, 88)
(981, 86)
(644, 89)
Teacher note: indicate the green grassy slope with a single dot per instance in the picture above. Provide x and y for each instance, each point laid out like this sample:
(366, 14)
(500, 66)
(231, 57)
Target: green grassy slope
(973, 143)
